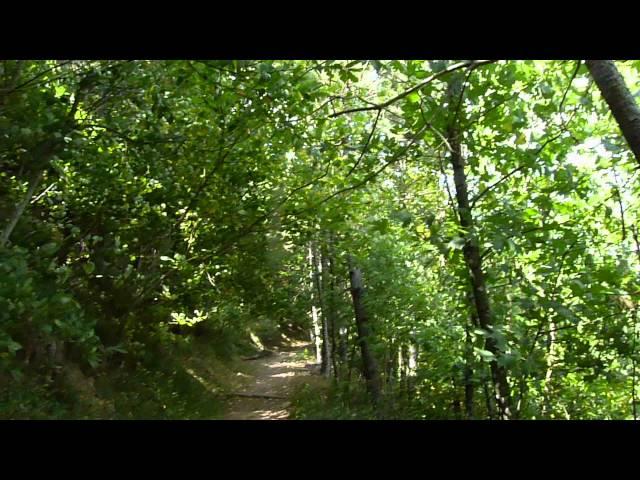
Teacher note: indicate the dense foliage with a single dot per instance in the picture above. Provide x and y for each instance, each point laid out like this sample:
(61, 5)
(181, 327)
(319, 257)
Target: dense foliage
(152, 209)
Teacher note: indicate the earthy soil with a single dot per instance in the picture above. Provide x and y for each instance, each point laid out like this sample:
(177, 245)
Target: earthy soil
(265, 389)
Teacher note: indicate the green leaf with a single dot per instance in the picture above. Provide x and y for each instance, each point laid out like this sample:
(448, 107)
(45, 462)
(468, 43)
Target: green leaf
(414, 97)
(457, 243)
(485, 355)
(12, 346)
(49, 249)
(546, 90)
(89, 268)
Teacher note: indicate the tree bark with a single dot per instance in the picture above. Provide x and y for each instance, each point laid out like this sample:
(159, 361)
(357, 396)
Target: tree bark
(391, 362)
(325, 363)
(474, 262)
(623, 106)
(40, 158)
(468, 376)
(369, 365)
(551, 360)
(315, 332)
(13, 221)
(488, 401)
(328, 287)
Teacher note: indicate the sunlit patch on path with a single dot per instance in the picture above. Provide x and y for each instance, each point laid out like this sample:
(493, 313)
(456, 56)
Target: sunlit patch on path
(271, 380)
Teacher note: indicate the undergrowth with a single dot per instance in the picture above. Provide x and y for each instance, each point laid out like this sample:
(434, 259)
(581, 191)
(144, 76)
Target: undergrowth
(179, 378)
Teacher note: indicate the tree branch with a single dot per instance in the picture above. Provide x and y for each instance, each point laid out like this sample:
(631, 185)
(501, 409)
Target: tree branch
(368, 177)
(515, 170)
(575, 73)
(366, 145)
(402, 95)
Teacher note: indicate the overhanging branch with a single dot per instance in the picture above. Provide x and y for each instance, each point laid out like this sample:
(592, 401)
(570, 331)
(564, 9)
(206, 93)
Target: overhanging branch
(381, 106)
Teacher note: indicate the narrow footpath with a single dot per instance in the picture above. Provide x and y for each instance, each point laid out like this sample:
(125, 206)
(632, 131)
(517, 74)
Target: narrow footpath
(265, 391)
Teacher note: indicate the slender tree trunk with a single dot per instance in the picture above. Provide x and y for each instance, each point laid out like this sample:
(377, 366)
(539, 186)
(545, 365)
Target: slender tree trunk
(391, 362)
(343, 340)
(339, 339)
(351, 361)
(20, 208)
(325, 364)
(412, 366)
(620, 100)
(474, 262)
(522, 396)
(551, 359)
(328, 287)
(489, 403)
(315, 333)
(468, 376)
(455, 405)
(12, 83)
(403, 362)
(369, 365)
(40, 158)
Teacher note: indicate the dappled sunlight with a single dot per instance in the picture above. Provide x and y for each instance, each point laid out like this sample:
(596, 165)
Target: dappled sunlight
(286, 374)
(320, 239)
(200, 380)
(273, 415)
(299, 365)
(266, 396)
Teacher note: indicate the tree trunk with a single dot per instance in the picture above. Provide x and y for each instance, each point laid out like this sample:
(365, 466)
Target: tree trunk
(328, 287)
(325, 365)
(551, 359)
(403, 355)
(369, 366)
(620, 100)
(315, 333)
(339, 332)
(412, 366)
(489, 403)
(455, 405)
(474, 262)
(468, 376)
(33, 184)
(391, 363)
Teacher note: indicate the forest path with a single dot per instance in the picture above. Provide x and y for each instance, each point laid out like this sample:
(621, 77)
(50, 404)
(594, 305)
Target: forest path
(273, 376)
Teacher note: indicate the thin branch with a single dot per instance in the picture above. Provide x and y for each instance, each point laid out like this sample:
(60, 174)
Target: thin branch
(402, 95)
(43, 193)
(553, 292)
(461, 97)
(219, 162)
(515, 170)
(332, 98)
(575, 73)
(24, 84)
(125, 137)
(495, 184)
(366, 145)
(443, 138)
(249, 228)
(314, 67)
(369, 177)
(489, 251)
(446, 184)
(484, 113)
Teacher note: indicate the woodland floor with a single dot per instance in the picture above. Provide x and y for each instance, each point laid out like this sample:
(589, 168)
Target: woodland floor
(266, 385)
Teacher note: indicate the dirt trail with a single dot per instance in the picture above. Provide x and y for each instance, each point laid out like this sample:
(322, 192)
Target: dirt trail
(272, 376)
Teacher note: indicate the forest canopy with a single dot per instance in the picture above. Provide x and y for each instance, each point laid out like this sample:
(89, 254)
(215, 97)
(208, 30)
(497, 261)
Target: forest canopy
(456, 239)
